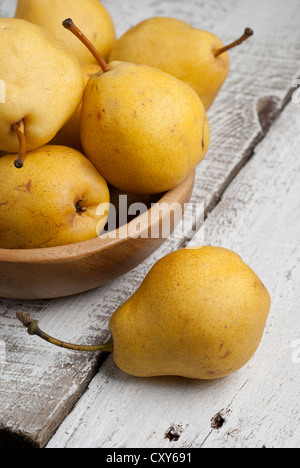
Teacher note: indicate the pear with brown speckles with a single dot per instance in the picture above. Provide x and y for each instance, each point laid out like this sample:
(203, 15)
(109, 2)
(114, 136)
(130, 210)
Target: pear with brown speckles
(52, 200)
(144, 130)
(200, 313)
(42, 84)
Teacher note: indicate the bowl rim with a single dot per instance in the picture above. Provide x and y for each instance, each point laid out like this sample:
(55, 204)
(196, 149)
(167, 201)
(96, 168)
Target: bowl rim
(103, 242)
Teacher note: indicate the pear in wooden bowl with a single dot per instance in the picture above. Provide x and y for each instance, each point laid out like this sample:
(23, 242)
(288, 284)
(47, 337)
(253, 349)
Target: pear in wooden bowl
(63, 271)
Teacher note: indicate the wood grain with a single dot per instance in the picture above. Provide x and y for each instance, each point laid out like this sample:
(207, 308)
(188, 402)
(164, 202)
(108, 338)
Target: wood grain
(39, 385)
(259, 218)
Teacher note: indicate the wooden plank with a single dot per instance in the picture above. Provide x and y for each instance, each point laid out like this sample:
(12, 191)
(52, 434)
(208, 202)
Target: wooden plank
(39, 384)
(259, 218)
(7, 8)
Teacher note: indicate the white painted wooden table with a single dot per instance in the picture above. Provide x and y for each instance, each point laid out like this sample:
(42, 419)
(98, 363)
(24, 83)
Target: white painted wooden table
(250, 185)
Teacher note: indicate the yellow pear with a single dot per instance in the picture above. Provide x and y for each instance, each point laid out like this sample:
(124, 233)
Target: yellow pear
(194, 56)
(42, 84)
(91, 16)
(69, 135)
(52, 200)
(200, 313)
(144, 130)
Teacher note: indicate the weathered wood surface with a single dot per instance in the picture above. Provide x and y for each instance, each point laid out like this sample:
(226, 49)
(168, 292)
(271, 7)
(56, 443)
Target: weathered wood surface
(39, 384)
(259, 218)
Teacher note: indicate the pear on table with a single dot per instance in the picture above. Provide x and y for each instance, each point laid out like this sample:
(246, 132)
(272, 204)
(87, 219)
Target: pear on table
(50, 197)
(90, 15)
(43, 84)
(200, 313)
(144, 130)
(194, 56)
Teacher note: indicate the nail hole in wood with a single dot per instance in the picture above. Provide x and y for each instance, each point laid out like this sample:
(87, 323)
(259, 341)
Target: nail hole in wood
(217, 421)
(174, 433)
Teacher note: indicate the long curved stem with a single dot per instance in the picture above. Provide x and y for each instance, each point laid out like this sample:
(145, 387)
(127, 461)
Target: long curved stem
(34, 329)
(248, 33)
(19, 128)
(68, 24)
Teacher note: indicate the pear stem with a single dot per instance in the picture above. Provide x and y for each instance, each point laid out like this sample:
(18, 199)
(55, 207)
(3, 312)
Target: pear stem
(19, 128)
(68, 24)
(248, 33)
(34, 329)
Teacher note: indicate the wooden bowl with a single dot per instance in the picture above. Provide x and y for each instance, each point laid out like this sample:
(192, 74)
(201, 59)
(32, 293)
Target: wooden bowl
(72, 269)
